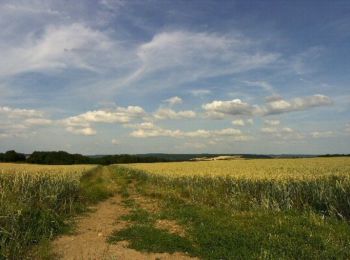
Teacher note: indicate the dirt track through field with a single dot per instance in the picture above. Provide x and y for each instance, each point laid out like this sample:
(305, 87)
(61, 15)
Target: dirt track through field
(92, 230)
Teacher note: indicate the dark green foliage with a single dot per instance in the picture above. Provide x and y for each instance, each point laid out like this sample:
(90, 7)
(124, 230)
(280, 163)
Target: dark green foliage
(61, 157)
(12, 156)
(57, 158)
(150, 239)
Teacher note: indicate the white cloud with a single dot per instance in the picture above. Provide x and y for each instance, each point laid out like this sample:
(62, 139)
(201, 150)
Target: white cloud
(282, 133)
(250, 121)
(118, 115)
(173, 100)
(81, 124)
(218, 108)
(58, 48)
(272, 122)
(238, 122)
(150, 130)
(232, 107)
(19, 122)
(20, 113)
(167, 113)
(115, 142)
(242, 122)
(87, 131)
(279, 106)
(38, 121)
(191, 55)
(322, 134)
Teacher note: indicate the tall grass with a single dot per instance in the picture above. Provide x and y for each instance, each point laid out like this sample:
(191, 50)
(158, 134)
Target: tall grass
(321, 185)
(34, 203)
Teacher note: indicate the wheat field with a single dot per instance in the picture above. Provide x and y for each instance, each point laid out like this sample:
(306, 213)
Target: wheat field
(257, 169)
(318, 184)
(34, 200)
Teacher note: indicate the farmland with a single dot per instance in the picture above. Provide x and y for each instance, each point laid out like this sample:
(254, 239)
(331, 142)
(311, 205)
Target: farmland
(34, 201)
(237, 209)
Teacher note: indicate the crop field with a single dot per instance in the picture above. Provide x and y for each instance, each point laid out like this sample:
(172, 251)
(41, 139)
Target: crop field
(321, 184)
(34, 201)
(237, 209)
(257, 169)
(258, 209)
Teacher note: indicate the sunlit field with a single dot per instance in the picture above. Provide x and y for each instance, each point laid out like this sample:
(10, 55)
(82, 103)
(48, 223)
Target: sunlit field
(238, 209)
(34, 201)
(257, 169)
(321, 184)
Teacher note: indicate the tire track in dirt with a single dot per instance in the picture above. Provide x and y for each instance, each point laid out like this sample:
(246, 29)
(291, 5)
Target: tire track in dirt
(92, 230)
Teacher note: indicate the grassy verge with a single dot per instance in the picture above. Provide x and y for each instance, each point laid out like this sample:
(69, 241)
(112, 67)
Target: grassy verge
(240, 227)
(36, 207)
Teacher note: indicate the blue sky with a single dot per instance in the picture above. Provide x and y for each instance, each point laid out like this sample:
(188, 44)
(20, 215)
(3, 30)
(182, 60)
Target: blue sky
(116, 76)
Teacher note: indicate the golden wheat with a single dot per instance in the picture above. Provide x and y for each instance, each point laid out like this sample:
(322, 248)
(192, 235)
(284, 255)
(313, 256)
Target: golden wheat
(259, 169)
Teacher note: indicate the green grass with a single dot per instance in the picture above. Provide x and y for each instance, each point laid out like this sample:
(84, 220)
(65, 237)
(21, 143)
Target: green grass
(256, 234)
(140, 216)
(36, 209)
(223, 227)
(147, 238)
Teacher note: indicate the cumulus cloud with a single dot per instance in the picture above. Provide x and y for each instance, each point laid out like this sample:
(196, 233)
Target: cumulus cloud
(232, 107)
(272, 122)
(119, 115)
(20, 113)
(238, 122)
(167, 113)
(87, 131)
(115, 141)
(279, 106)
(81, 124)
(242, 122)
(322, 134)
(38, 121)
(283, 133)
(145, 130)
(219, 108)
(21, 122)
(173, 100)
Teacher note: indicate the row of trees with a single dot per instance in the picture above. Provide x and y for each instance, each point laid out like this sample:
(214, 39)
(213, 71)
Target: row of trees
(62, 157)
(12, 156)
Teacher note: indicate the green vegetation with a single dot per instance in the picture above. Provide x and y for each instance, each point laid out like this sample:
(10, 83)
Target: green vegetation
(12, 156)
(144, 236)
(36, 203)
(56, 158)
(255, 209)
(318, 184)
(150, 239)
(228, 218)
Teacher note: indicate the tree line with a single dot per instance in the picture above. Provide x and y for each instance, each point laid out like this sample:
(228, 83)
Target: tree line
(61, 157)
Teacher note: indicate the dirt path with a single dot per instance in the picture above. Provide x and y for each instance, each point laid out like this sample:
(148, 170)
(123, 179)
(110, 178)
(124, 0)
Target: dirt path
(92, 230)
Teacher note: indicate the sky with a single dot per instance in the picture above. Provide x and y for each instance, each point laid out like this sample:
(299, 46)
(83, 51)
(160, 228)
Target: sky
(183, 76)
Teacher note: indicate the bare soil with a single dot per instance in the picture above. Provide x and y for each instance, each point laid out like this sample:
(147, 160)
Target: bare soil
(92, 230)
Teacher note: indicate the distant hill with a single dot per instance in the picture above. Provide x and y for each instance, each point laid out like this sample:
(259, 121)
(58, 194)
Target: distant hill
(187, 157)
